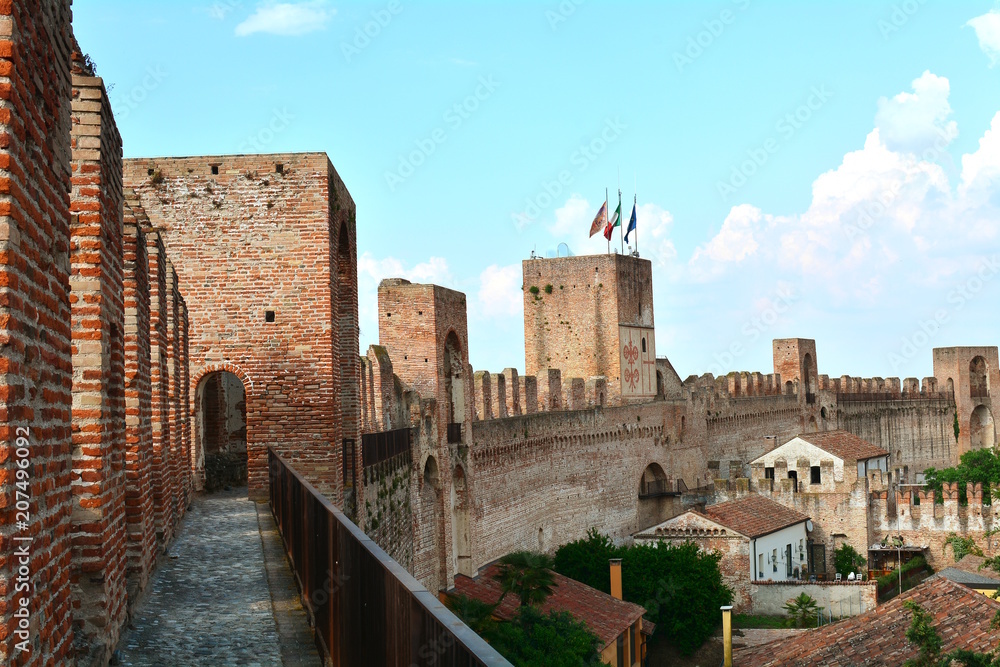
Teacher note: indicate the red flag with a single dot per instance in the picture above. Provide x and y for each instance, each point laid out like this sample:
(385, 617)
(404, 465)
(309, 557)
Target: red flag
(607, 231)
(600, 219)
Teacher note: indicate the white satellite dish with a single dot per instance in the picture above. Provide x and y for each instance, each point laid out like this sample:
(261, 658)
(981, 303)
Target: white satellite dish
(809, 525)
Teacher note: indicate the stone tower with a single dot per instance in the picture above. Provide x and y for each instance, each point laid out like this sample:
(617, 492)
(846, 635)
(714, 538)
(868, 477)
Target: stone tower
(592, 316)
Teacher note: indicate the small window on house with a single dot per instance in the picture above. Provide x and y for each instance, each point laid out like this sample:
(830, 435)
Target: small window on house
(268, 315)
(774, 559)
(643, 344)
(760, 566)
(814, 475)
(769, 473)
(215, 169)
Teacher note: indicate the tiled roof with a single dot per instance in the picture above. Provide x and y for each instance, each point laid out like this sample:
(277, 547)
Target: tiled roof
(605, 616)
(844, 445)
(972, 579)
(960, 615)
(753, 515)
(975, 564)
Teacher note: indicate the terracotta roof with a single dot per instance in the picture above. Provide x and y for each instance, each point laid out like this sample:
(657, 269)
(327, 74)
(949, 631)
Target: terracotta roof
(605, 616)
(960, 615)
(844, 445)
(753, 515)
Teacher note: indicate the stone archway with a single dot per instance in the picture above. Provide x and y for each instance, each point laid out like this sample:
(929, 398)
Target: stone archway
(982, 432)
(655, 497)
(220, 408)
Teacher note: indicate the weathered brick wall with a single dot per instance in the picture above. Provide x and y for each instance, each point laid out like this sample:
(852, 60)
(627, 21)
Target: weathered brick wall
(388, 512)
(840, 598)
(35, 389)
(139, 517)
(96, 297)
(930, 524)
(572, 310)
(953, 363)
(267, 234)
(163, 506)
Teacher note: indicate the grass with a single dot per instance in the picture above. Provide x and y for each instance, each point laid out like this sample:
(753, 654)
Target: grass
(755, 622)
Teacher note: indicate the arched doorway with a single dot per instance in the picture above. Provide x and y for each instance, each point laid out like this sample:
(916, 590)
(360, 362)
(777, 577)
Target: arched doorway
(979, 378)
(462, 543)
(982, 433)
(221, 429)
(655, 496)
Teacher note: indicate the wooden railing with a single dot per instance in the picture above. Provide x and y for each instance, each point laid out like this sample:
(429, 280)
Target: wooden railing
(364, 607)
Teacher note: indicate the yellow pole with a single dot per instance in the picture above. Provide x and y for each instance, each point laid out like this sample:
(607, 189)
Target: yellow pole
(727, 635)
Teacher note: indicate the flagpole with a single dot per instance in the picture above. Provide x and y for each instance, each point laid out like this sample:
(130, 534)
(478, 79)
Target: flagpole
(635, 204)
(606, 217)
(621, 227)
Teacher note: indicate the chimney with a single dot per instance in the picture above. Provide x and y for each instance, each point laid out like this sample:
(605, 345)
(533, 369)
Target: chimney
(727, 636)
(616, 578)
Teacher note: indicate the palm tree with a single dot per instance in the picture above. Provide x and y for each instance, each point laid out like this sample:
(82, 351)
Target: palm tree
(528, 575)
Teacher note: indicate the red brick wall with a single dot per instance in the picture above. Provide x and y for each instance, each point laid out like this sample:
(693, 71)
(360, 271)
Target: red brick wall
(96, 298)
(251, 239)
(159, 303)
(141, 528)
(35, 388)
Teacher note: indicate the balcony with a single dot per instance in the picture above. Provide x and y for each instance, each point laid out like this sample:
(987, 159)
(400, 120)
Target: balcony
(659, 488)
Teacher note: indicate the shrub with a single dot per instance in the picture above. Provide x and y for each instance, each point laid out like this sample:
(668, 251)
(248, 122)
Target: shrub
(847, 559)
(962, 546)
(533, 289)
(548, 289)
(802, 611)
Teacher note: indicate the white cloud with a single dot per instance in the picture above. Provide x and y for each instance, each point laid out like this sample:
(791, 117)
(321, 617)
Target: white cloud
(500, 292)
(914, 122)
(372, 271)
(287, 18)
(654, 223)
(573, 218)
(987, 29)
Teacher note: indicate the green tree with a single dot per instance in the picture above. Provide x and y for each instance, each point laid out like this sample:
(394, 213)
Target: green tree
(975, 466)
(802, 611)
(923, 634)
(847, 559)
(556, 639)
(477, 614)
(680, 587)
(528, 575)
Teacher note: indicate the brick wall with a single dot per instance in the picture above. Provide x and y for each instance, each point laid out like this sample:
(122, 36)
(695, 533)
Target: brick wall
(266, 234)
(573, 307)
(141, 528)
(35, 387)
(96, 298)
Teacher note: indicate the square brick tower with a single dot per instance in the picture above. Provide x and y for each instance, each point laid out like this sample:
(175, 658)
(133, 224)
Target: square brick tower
(971, 373)
(425, 330)
(795, 359)
(590, 316)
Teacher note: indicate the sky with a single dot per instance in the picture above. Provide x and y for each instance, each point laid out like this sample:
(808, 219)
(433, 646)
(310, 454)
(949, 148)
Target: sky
(801, 169)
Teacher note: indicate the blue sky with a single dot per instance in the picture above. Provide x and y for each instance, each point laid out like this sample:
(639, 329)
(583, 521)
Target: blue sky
(821, 170)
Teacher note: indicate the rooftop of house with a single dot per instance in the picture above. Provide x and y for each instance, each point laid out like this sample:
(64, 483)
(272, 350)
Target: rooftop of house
(977, 565)
(605, 616)
(844, 445)
(753, 515)
(960, 616)
(971, 571)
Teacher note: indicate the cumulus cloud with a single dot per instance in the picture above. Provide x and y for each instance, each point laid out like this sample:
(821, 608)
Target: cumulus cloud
(914, 122)
(885, 221)
(500, 291)
(987, 29)
(653, 224)
(287, 18)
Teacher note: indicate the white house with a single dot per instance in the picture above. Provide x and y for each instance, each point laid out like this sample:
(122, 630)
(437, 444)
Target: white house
(758, 538)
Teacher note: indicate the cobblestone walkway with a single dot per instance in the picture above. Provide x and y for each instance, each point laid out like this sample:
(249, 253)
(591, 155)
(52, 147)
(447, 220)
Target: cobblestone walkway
(210, 601)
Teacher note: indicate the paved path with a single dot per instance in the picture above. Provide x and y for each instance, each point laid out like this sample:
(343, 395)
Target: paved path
(222, 595)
